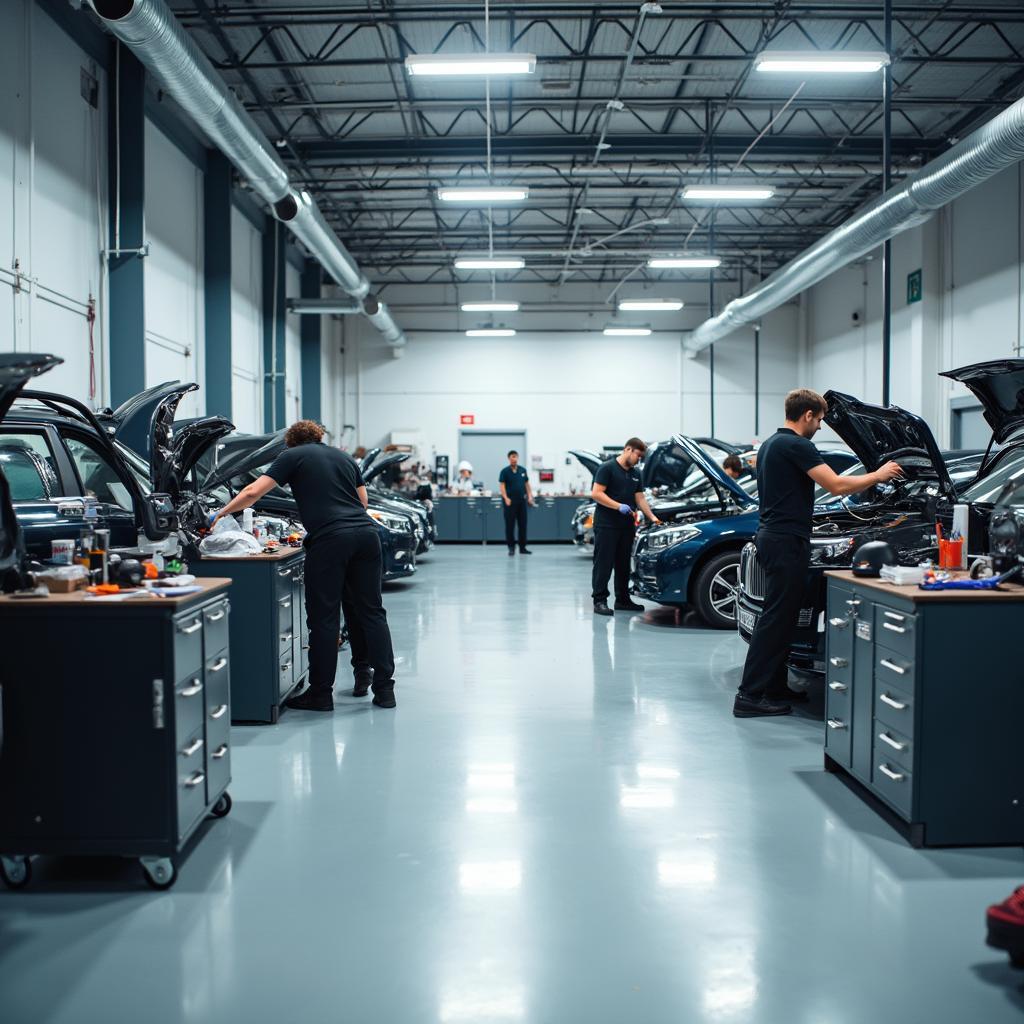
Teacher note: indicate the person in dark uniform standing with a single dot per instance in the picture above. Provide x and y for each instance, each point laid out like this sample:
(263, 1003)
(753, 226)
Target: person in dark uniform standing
(343, 557)
(788, 467)
(618, 493)
(516, 493)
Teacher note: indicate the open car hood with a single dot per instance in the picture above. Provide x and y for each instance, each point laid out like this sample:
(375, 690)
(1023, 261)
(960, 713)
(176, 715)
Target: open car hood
(876, 435)
(383, 462)
(258, 453)
(999, 386)
(687, 447)
(147, 417)
(665, 465)
(367, 460)
(188, 445)
(589, 460)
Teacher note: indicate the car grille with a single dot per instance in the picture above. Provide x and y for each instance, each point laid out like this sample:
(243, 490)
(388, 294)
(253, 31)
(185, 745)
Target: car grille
(751, 574)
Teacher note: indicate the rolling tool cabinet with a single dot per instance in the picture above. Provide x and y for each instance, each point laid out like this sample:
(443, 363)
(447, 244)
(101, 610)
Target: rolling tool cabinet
(923, 706)
(480, 520)
(115, 730)
(269, 635)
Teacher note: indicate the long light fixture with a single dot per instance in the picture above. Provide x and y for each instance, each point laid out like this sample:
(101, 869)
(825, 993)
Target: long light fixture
(735, 193)
(827, 62)
(653, 305)
(473, 65)
(684, 262)
(491, 332)
(482, 194)
(490, 264)
(626, 332)
(490, 307)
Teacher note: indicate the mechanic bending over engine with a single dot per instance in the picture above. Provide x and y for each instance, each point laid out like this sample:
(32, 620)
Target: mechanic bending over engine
(343, 559)
(788, 467)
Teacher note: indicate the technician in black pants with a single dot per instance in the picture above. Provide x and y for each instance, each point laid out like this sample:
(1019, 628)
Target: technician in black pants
(343, 557)
(788, 467)
(618, 493)
(516, 493)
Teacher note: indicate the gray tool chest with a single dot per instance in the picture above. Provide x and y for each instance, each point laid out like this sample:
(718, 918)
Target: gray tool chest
(923, 705)
(115, 727)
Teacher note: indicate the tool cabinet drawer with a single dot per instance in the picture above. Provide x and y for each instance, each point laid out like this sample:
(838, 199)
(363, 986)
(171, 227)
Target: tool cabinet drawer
(215, 626)
(191, 777)
(188, 705)
(285, 635)
(285, 613)
(894, 669)
(894, 707)
(894, 745)
(283, 578)
(891, 781)
(896, 630)
(217, 676)
(218, 766)
(838, 735)
(286, 674)
(188, 643)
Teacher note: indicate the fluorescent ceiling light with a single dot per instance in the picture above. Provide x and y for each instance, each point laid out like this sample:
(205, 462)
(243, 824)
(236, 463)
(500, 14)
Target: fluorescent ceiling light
(490, 307)
(477, 65)
(684, 263)
(829, 62)
(491, 332)
(478, 194)
(638, 305)
(490, 264)
(741, 193)
(627, 332)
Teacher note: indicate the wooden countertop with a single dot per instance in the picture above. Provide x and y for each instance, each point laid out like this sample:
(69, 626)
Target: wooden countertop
(1006, 592)
(79, 598)
(276, 556)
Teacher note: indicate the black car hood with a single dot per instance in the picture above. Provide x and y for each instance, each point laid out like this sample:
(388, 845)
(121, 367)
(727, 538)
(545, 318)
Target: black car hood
(665, 465)
(588, 460)
(147, 417)
(188, 445)
(378, 466)
(720, 480)
(876, 434)
(367, 460)
(999, 386)
(258, 453)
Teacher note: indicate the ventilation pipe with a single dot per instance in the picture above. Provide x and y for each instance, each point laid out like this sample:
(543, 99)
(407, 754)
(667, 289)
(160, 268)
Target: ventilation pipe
(992, 148)
(153, 34)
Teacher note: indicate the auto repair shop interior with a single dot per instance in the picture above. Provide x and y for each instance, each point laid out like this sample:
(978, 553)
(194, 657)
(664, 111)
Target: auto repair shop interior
(445, 232)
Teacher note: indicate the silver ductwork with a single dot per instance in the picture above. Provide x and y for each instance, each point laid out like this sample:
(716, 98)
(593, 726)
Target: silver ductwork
(153, 34)
(378, 315)
(992, 148)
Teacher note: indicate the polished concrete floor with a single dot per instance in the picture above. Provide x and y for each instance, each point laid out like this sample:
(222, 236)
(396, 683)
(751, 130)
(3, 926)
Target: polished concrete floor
(561, 823)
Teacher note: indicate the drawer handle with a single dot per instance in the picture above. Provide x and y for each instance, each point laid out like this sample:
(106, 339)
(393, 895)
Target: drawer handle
(195, 779)
(853, 602)
(886, 699)
(194, 628)
(218, 664)
(286, 636)
(836, 723)
(890, 774)
(287, 665)
(896, 617)
(886, 738)
(220, 751)
(216, 616)
(892, 667)
(220, 712)
(285, 602)
(895, 629)
(191, 691)
(838, 622)
(191, 748)
(284, 572)
(838, 662)
(838, 687)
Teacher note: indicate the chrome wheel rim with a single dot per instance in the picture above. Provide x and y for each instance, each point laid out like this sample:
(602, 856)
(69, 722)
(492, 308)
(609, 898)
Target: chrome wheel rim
(722, 592)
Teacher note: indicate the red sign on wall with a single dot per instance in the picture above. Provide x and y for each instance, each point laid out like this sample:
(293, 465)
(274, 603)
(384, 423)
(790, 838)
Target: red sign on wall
(467, 419)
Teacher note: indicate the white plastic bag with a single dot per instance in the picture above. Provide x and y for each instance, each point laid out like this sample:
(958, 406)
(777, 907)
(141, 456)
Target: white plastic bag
(228, 539)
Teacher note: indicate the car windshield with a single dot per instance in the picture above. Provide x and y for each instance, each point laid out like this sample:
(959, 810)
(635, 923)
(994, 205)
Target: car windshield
(1009, 468)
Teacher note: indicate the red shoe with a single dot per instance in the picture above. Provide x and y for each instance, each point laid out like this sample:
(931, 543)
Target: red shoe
(1006, 926)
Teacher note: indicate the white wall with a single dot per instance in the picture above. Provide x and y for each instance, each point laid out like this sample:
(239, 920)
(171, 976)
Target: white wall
(293, 351)
(52, 199)
(246, 325)
(174, 269)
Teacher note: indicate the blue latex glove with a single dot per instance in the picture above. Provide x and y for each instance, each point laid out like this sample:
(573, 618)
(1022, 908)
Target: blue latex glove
(626, 510)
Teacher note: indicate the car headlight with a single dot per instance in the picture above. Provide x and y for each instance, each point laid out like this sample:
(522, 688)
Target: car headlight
(832, 550)
(396, 524)
(669, 535)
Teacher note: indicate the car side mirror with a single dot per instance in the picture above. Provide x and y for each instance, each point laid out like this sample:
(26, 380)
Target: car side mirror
(159, 516)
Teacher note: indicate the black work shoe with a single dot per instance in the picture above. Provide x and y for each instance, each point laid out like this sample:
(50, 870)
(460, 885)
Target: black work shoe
(384, 697)
(601, 608)
(629, 606)
(523, 551)
(310, 701)
(744, 707)
(789, 696)
(362, 684)
(511, 552)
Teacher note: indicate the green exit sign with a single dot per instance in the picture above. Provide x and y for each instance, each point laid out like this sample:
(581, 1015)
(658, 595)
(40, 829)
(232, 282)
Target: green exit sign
(914, 287)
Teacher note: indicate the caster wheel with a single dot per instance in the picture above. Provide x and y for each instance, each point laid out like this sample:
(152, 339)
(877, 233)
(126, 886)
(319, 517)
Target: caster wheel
(222, 807)
(159, 872)
(16, 872)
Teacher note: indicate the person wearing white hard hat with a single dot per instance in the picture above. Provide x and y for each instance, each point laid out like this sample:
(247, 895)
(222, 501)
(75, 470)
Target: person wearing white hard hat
(464, 482)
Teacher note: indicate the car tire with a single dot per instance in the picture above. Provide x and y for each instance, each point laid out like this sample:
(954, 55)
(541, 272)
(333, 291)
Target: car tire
(714, 592)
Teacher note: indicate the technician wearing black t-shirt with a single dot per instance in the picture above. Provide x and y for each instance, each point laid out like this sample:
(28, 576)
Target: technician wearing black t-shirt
(618, 493)
(343, 557)
(788, 467)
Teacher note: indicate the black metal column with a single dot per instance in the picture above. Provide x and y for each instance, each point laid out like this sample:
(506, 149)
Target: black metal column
(886, 182)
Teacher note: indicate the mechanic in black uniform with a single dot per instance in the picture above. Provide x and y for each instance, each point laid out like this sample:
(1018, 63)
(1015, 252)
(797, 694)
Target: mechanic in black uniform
(343, 557)
(788, 467)
(516, 493)
(618, 493)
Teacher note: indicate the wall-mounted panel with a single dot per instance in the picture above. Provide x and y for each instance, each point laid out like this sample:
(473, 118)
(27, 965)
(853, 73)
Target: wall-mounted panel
(293, 352)
(246, 325)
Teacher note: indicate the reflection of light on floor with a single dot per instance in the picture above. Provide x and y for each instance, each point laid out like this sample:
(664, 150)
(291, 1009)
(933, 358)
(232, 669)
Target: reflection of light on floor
(490, 876)
(480, 780)
(302, 781)
(491, 805)
(676, 870)
(339, 752)
(479, 1005)
(646, 797)
(654, 771)
(731, 981)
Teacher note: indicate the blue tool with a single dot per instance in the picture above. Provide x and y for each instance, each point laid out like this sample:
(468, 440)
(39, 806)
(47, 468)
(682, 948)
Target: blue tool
(990, 584)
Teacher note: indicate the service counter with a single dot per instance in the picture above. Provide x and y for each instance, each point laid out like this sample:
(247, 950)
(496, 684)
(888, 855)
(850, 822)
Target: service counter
(478, 520)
